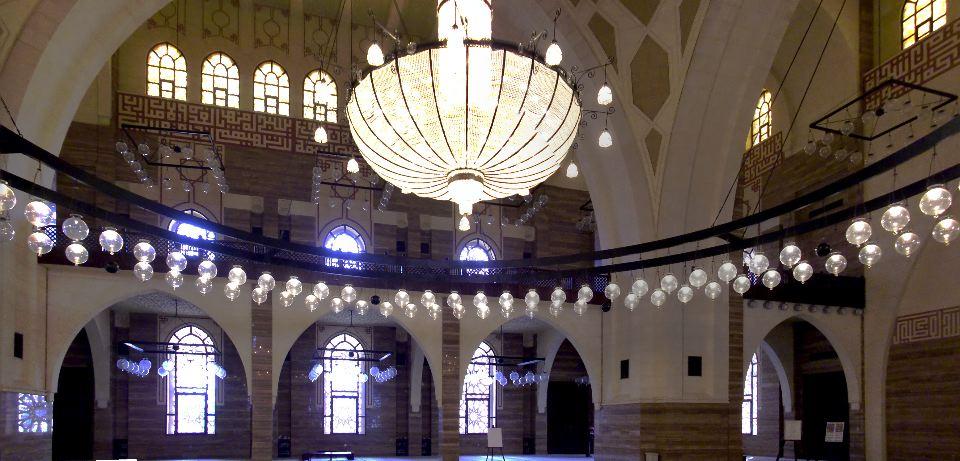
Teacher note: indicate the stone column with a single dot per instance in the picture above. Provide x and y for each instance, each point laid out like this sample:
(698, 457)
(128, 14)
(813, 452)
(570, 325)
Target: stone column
(450, 391)
(261, 415)
(857, 434)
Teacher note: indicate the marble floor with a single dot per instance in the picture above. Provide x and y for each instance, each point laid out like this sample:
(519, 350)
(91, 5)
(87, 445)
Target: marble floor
(436, 458)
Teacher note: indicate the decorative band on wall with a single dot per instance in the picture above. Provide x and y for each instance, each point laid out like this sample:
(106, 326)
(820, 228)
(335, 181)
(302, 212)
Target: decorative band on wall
(943, 323)
(760, 159)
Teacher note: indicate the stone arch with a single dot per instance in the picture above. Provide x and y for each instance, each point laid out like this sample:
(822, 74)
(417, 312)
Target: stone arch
(75, 303)
(786, 390)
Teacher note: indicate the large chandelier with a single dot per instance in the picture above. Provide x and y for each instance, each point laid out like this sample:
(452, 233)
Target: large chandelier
(466, 119)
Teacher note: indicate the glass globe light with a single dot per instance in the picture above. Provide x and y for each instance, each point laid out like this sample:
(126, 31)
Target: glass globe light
(554, 54)
(741, 284)
(174, 279)
(38, 213)
(771, 278)
(698, 277)
(685, 294)
(580, 307)
(658, 297)
(895, 218)
(907, 243)
(810, 148)
(558, 297)
(362, 307)
(712, 290)
(294, 286)
(353, 166)
(555, 310)
(386, 308)
(727, 272)
(464, 224)
(944, 231)
(669, 283)
(532, 299)
(207, 269)
(605, 140)
(176, 261)
(161, 372)
(506, 300)
(639, 287)
(870, 254)
(605, 95)
(483, 310)
(76, 253)
(143, 271)
(802, 271)
(8, 198)
(39, 243)
(858, 232)
(143, 251)
(375, 55)
(835, 264)
(759, 263)
(259, 295)
(286, 298)
(585, 292)
(204, 285)
(612, 291)
(428, 299)
(433, 311)
(453, 299)
(631, 301)
(402, 298)
(337, 305)
(110, 240)
(237, 275)
(7, 232)
(532, 310)
(935, 201)
(266, 281)
(572, 170)
(321, 291)
(790, 255)
(76, 229)
(320, 135)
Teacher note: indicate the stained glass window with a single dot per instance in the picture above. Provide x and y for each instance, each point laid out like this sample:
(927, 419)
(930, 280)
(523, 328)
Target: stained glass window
(34, 414)
(478, 404)
(192, 231)
(192, 385)
(320, 97)
(477, 250)
(220, 81)
(762, 125)
(751, 395)
(166, 72)
(921, 18)
(271, 89)
(343, 388)
(344, 239)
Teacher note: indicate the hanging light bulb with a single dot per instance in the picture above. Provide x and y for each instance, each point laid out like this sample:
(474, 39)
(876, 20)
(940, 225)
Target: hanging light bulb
(207, 269)
(38, 213)
(237, 275)
(38, 242)
(353, 166)
(8, 198)
(554, 54)
(7, 232)
(204, 285)
(433, 311)
(572, 170)
(612, 291)
(176, 261)
(727, 272)
(698, 277)
(790, 255)
(506, 304)
(174, 278)
(266, 281)
(386, 309)
(362, 307)
(759, 263)
(605, 95)
(869, 254)
(802, 271)
(558, 297)
(259, 295)
(320, 135)
(464, 224)
(76, 229)
(907, 243)
(110, 240)
(639, 287)
(532, 299)
(946, 230)
(658, 297)
(294, 286)
(895, 218)
(402, 298)
(231, 290)
(348, 294)
(935, 200)
(712, 290)
(411, 310)
(858, 232)
(585, 293)
(337, 305)
(685, 294)
(835, 264)
(76, 253)
(669, 283)
(321, 291)
(143, 271)
(771, 278)
(605, 140)
(631, 301)
(143, 251)
(580, 307)
(741, 284)
(480, 302)
(428, 299)
(375, 55)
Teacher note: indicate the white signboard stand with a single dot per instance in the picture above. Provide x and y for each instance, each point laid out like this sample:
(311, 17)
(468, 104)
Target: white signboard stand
(792, 432)
(495, 441)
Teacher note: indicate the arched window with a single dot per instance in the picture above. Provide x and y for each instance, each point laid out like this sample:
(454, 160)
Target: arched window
(320, 97)
(920, 18)
(166, 72)
(751, 395)
(478, 403)
(271, 89)
(192, 385)
(220, 84)
(477, 250)
(343, 389)
(762, 126)
(344, 239)
(191, 231)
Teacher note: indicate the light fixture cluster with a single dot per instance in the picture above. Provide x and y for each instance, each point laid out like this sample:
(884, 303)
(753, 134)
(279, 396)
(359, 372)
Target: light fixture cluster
(378, 375)
(165, 152)
(134, 163)
(139, 369)
(533, 207)
(529, 378)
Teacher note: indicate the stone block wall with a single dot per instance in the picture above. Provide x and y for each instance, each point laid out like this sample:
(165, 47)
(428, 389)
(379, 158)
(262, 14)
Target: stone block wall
(17, 446)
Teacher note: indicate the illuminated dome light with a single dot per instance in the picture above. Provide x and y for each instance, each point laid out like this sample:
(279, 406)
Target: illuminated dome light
(8, 198)
(76, 229)
(176, 261)
(895, 218)
(713, 290)
(935, 201)
(110, 240)
(554, 54)
(375, 55)
(259, 295)
(605, 95)
(353, 166)
(741, 284)
(727, 272)
(658, 297)
(835, 264)
(858, 232)
(698, 277)
(320, 135)
(802, 271)
(38, 242)
(572, 170)
(386, 308)
(321, 291)
(907, 243)
(143, 271)
(464, 224)
(38, 213)
(640, 287)
(869, 254)
(946, 230)
(266, 281)
(294, 286)
(612, 291)
(237, 275)
(504, 116)
(790, 255)
(605, 140)
(174, 278)
(685, 294)
(143, 251)
(76, 253)
(669, 283)
(771, 278)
